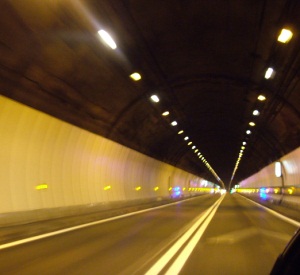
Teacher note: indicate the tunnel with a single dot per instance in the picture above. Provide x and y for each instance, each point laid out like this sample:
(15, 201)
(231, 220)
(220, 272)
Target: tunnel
(148, 137)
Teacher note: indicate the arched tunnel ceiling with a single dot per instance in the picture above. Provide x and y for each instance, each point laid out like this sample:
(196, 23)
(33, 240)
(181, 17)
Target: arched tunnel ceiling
(205, 60)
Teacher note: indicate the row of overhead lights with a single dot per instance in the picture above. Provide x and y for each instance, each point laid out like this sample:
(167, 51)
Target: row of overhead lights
(190, 143)
(106, 37)
(284, 37)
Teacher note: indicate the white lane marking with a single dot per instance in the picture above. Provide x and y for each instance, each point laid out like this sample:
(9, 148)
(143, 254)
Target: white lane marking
(289, 220)
(161, 263)
(46, 235)
(186, 252)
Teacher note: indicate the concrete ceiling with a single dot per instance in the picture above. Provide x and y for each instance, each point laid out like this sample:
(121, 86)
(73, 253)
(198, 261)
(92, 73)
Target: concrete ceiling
(205, 60)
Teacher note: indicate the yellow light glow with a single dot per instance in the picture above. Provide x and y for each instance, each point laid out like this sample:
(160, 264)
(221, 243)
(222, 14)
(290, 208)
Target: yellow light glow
(180, 132)
(166, 113)
(290, 190)
(170, 188)
(138, 188)
(41, 186)
(261, 98)
(156, 188)
(190, 143)
(252, 123)
(136, 76)
(285, 36)
(107, 187)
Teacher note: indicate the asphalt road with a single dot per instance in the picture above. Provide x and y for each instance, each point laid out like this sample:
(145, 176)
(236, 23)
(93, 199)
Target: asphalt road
(211, 234)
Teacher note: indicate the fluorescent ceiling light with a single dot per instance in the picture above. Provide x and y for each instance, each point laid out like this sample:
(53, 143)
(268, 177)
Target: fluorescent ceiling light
(256, 113)
(155, 98)
(269, 73)
(278, 171)
(136, 76)
(285, 36)
(107, 39)
(166, 113)
(261, 98)
(174, 123)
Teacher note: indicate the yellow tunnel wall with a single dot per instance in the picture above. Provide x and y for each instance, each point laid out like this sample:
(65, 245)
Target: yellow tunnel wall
(46, 163)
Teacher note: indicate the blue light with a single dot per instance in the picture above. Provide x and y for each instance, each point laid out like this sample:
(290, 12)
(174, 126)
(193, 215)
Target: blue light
(176, 192)
(263, 194)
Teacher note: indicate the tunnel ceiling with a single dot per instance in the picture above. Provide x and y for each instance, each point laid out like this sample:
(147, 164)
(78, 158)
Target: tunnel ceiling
(205, 60)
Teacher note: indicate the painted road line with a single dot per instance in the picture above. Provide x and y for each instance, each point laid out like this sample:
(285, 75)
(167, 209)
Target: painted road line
(186, 252)
(62, 231)
(289, 220)
(163, 261)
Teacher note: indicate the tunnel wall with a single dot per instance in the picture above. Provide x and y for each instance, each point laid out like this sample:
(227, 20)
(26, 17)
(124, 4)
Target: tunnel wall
(48, 163)
(284, 190)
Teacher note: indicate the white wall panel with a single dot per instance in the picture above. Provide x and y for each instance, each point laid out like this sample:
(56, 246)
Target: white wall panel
(76, 165)
(266, 177)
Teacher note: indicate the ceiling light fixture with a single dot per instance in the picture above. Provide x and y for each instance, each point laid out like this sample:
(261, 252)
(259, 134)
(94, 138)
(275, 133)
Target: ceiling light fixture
(154, 98)
(174, 123)
(186, 138)
(248, 132)
(285, 36)
(269, 73)
(261, 98)
(136, 76)
(252, 123)
(180, 132)
(107, 39)
(166, 113)
(256, 113)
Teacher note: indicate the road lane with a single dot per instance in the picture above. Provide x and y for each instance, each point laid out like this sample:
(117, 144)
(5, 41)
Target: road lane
(124, 246)
(241, 239)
